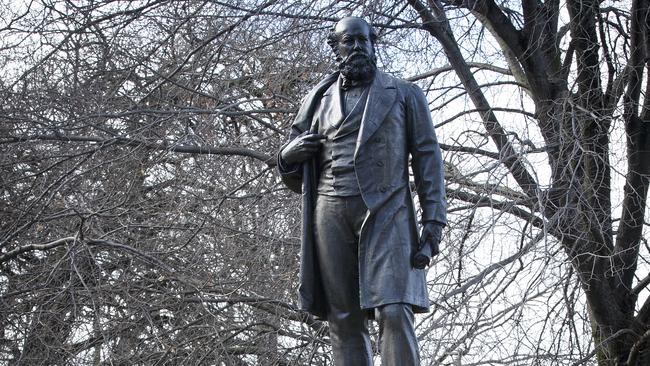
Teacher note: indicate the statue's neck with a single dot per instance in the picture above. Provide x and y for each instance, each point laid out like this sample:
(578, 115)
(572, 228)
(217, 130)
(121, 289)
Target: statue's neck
(347, 82)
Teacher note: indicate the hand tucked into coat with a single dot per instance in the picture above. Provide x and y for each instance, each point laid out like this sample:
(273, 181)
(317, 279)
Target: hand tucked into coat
(429, 245)
(302, 148)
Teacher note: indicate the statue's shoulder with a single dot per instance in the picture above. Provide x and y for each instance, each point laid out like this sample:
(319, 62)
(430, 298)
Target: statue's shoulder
(404, 85)
(317, 91)
(324, 83)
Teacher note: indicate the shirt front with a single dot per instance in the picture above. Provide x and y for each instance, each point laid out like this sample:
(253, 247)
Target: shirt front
(337, 175)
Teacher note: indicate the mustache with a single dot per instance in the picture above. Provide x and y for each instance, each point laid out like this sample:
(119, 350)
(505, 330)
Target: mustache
(358, 66)
(358, 54)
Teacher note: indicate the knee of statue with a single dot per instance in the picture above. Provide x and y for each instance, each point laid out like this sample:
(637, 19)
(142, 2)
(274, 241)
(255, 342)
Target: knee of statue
(394, 315)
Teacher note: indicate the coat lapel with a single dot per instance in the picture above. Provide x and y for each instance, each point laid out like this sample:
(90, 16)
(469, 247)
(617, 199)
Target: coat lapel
(381, 97)
(332, 106)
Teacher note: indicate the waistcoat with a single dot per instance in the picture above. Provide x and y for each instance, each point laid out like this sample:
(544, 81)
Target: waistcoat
(337, 175)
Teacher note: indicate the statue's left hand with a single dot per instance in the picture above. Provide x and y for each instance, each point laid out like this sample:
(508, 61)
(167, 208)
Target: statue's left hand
(431, 233)
(429, 245)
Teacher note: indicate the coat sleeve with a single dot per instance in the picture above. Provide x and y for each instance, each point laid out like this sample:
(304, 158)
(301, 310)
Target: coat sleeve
(291, 174)
(426, 156)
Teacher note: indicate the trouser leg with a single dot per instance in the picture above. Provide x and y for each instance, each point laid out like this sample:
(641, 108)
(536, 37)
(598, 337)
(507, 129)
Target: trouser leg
(337, 225)
(398, 344)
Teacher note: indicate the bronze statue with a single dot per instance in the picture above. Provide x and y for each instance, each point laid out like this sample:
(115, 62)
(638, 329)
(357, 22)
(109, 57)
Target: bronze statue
(348, 155)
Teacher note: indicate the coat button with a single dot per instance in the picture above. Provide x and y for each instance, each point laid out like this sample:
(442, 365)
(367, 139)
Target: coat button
(380, 163)
(382, 189)
(377, 139)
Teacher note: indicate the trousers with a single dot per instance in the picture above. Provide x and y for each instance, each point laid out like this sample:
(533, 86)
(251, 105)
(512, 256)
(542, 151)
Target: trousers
(338, 223)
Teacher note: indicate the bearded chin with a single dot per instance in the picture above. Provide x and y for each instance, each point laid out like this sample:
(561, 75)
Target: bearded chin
(359, 69)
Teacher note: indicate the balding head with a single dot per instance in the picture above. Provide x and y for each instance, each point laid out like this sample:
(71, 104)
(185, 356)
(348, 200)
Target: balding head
(353, 41)
(351, 27)
(354, 24)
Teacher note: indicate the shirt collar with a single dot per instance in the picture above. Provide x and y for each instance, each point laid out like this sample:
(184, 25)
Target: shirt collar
(346, 84)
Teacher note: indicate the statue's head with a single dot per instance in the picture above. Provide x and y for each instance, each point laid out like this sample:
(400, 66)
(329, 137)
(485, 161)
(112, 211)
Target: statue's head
(353, 41)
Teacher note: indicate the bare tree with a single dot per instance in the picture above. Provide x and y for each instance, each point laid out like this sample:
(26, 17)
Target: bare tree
(141, 222)
(578, 92)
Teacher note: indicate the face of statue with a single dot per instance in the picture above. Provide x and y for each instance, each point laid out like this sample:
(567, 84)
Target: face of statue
(355, 49)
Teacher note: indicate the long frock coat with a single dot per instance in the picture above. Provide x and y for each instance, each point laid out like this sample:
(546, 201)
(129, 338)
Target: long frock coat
(396, 123)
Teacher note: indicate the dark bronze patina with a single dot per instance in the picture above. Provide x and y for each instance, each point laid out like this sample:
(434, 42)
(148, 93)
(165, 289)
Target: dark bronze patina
(348, 155)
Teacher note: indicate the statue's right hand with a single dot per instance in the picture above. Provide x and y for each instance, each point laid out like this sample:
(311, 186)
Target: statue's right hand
(302, 148)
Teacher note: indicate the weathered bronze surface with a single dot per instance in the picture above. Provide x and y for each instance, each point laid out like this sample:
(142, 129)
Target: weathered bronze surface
(348, 154)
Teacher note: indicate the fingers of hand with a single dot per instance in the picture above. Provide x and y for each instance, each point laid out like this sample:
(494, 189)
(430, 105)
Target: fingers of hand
(310, 146)
(310, 143)
(420, 261)
(314, 137)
